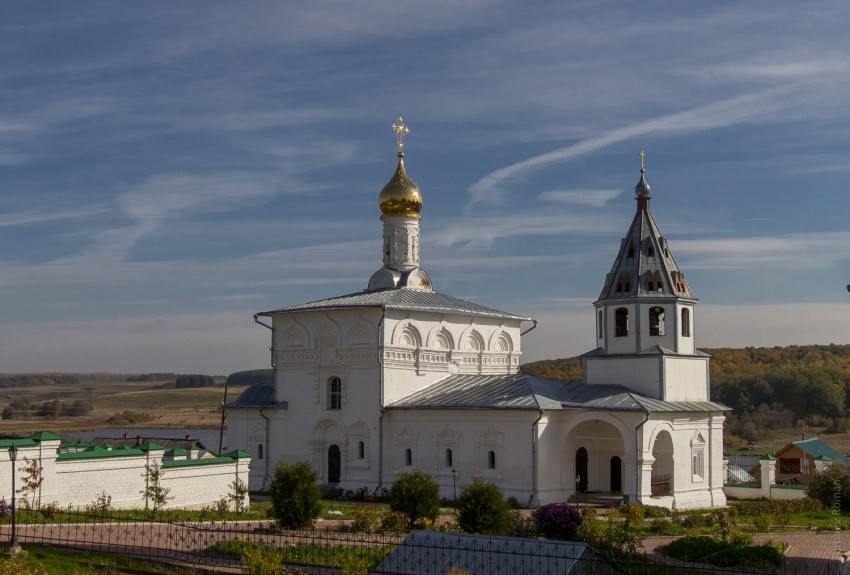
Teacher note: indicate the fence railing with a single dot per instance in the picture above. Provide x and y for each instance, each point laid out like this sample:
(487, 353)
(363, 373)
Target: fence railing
(219, 543)
(660, 484)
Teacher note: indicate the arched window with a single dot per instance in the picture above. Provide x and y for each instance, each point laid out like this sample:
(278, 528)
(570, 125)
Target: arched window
(600, 333)
(650, 251)
(449, 458)
(361, 450)
(686, 322)
(621, 328)
(650, 286)
(408, 457)
(628, 286)
(491, 460)
(656, 321)
(619, 287)
(631, 253)
(334, 393)
(259, 451)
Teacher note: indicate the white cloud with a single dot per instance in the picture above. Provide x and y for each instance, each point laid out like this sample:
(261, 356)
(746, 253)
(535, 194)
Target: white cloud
(748, 108)
(589, 197)
(791, 251)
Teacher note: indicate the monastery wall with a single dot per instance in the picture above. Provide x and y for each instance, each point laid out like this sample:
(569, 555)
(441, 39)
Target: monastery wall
(77, 479)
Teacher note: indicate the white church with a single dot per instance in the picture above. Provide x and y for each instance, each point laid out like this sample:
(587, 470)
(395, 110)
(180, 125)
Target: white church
(400, 376)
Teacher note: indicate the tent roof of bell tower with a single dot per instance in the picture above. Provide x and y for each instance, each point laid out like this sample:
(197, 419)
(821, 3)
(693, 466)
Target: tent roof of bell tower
(644, 266)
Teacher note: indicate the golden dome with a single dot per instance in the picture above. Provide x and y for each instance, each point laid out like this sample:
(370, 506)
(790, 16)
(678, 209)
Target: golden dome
(400, 197)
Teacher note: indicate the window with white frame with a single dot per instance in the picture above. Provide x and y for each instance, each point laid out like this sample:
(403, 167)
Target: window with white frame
(334, 393)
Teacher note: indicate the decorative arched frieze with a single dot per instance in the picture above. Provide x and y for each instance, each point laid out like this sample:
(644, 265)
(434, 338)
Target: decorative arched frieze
(330, 328)
(406, 334)
(501, 341)
(358, 335)
(440, 338)
(473, 341)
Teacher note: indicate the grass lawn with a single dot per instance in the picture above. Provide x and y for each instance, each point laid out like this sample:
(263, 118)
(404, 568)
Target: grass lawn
(72, 562)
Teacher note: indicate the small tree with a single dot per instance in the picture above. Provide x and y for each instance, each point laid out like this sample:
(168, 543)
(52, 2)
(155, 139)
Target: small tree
(296, 499)
(831, 487)
(238, 495)
(481, 508)
(417, 495)
(33, 478)
(155, 494)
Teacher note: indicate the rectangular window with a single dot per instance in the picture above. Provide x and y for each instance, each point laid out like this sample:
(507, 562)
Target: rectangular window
(335, 393)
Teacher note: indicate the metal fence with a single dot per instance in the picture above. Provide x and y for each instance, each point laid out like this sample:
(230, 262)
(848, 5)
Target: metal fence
(217, 544)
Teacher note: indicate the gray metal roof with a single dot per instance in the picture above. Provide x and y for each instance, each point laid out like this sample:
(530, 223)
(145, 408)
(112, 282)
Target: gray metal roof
(434, 553)
(399, 298)
(259, 395)
(521, 391)
(649, 351)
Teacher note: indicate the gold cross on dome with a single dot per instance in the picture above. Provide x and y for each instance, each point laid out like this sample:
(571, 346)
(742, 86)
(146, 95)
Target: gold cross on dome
(641, 162)
(401, 131)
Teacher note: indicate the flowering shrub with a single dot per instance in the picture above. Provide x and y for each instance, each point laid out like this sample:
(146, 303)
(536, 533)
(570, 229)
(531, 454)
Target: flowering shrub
(394, 521)
(364, 519)
(557, 521)
(5, 508)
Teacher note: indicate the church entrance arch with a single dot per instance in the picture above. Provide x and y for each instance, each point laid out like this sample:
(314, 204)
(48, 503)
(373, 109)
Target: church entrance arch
(334, 464)
(329, 447)
(616, 474)
(590, 445)
(581, 469)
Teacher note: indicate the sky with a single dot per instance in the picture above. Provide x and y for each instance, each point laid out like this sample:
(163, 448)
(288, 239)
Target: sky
(169, 169)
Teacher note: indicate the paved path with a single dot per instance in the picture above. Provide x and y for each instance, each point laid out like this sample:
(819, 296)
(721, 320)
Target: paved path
(809, 552)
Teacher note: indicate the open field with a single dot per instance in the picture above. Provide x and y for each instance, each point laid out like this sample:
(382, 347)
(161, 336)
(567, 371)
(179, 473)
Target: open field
(119, 403)
(775, 439)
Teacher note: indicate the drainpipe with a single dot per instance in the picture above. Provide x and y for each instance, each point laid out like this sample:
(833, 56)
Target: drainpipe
(381, 400)
(534, 452)
(637, 455)
(270, 328)
(267, 454)
(529, 329)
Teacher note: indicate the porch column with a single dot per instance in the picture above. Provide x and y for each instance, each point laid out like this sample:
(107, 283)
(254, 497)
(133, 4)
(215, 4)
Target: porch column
(630, 478)
(644, 475)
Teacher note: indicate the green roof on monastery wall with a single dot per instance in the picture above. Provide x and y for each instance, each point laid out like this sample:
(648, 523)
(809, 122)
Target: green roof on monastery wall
(193, 462)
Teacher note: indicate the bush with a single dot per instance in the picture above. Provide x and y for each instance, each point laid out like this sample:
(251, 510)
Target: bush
(481, 508)
(296, 500)
(364, 519)
(522, 526)
(663, 527)
(832, 487)
(557, 521)
(416, 495)
(394, 521)
(737, 551)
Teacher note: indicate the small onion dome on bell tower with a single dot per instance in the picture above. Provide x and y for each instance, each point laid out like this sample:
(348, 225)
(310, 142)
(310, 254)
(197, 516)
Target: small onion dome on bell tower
(401, 196)
(642, 188)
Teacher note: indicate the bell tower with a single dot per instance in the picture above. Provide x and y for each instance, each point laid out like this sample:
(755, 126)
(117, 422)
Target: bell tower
(645, 317)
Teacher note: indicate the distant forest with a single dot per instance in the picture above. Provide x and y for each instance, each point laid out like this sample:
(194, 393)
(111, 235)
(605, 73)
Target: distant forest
(767, 388)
